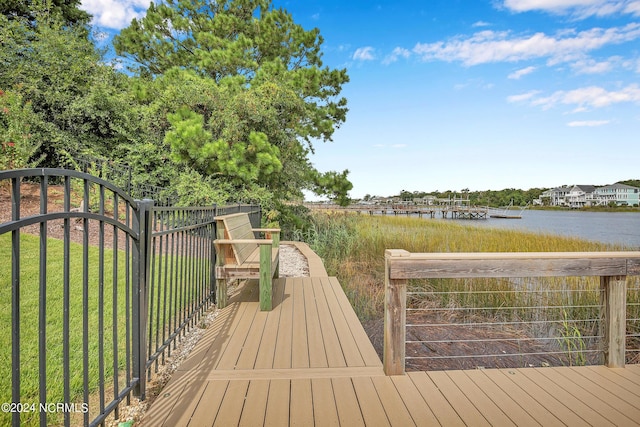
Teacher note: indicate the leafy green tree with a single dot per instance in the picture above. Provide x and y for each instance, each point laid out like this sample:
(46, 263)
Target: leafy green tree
(17, 145)
(82, 104)
(28, 9)
(248, 87)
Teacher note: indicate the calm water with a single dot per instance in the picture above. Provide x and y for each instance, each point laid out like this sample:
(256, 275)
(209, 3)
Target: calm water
(609, 227)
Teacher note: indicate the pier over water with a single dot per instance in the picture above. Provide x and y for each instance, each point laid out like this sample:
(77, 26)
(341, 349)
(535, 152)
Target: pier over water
(452, 211)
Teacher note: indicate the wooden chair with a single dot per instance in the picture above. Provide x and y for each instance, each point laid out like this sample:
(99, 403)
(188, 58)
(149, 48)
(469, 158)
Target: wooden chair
(240, 255)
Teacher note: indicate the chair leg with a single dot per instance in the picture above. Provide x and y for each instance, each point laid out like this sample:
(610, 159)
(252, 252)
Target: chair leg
(265, 278)
(221, 293)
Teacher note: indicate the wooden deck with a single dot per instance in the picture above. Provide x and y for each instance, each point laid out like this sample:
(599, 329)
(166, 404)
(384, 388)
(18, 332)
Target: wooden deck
(309, 362)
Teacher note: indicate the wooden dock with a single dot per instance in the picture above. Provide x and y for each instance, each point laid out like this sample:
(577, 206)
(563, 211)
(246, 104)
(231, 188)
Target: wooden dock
(444, 211)
(310, 362)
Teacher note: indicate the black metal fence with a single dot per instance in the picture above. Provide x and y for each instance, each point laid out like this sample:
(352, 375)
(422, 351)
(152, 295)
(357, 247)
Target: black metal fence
(95, 287)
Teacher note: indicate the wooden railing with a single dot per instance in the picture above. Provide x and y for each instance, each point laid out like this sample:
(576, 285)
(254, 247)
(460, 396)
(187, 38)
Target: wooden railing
(611, 267)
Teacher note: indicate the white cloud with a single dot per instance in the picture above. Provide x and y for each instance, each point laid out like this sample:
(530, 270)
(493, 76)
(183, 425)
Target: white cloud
(523, 97)
(588, 123)
(588, 98)
(493, 46)
(481, 24)
(364, 54)
(114, 14)
(590, 66)
(578, 8)
(522, 72)
(397, 53)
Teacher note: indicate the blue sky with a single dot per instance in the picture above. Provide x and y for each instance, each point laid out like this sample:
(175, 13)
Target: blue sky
(478, 94)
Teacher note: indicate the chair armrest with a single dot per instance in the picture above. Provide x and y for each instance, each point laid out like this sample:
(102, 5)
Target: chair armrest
(268, 230)
(241, 241)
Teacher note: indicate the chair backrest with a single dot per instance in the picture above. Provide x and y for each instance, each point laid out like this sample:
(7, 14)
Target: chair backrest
(238, 227)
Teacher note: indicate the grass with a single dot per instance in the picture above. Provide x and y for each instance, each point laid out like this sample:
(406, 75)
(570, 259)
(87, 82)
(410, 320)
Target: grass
(353, 246)
(29, 318)
(29, 321)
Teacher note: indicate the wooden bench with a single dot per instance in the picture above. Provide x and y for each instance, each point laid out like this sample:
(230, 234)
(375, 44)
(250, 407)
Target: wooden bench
(240, 255)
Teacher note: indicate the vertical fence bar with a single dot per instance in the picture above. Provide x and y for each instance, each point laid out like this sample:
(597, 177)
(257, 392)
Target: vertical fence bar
(172, 280)
(85, 297)
(42, 328)
(114, 301)
(395, 315)
(15, 301)
(66, 299)
(160, 245)
(165, 320)
(614, 313)
(151, 291)
(214, 255)
(101, 369)
(128, 297)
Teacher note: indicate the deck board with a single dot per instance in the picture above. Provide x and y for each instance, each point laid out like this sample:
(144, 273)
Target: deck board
(309, 362)
(501, 398)
(519, 395)
(335, 356)
(324, 403)
(491, 412)
(593, 399)
(301, 402)
(254, 409)
(300, 345)
(545, 397)
(277, 413)
(349, 412)
(394, 406)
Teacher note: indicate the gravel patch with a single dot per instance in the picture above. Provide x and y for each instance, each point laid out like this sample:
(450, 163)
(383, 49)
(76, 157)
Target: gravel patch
(292, 262)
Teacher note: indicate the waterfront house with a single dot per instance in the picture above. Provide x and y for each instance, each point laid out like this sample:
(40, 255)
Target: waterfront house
(620, 194)
(555, 196)
(581, 195)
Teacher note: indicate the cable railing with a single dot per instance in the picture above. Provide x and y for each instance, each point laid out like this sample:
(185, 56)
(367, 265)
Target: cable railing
(484, 310)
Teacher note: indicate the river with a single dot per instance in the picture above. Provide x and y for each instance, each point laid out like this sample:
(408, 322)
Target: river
(609, 227)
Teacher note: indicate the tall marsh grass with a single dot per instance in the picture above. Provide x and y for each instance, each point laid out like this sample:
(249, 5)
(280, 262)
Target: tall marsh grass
(353, 246)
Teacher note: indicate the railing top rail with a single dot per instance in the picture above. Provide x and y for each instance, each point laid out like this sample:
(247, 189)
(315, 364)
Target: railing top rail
(401, 253)
(406, 265)
(41, 172)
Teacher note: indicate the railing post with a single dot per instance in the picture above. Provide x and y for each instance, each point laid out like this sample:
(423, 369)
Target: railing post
(395, 315)
(614, 319)
(141, 277)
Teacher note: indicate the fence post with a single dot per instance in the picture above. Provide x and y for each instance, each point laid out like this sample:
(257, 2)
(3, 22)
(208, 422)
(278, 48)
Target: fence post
(141, 276)
(395, 316)
(614, 319)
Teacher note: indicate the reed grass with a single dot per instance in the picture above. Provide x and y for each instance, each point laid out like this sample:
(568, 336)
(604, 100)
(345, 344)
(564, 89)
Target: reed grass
(352, 247)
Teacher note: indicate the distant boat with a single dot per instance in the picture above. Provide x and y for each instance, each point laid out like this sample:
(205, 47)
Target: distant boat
(506, 214)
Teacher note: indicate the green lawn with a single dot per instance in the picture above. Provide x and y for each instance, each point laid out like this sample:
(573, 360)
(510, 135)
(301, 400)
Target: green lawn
(171, 270)
(29, 320)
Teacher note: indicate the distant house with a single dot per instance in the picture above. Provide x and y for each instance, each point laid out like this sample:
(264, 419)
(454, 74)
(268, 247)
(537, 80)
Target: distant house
(555, 196)
(620, 194)
(581, 195)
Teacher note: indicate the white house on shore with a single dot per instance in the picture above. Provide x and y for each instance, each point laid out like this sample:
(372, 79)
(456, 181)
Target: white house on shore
(588, 195)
